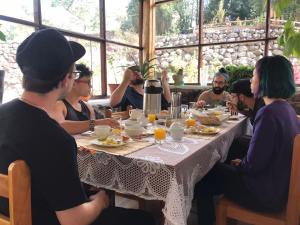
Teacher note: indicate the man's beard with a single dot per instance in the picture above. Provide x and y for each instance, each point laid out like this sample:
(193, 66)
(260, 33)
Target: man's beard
(241, 106)
(137, 82)
(218, 90)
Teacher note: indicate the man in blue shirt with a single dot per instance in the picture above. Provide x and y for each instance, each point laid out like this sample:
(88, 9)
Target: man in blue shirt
(131, 91)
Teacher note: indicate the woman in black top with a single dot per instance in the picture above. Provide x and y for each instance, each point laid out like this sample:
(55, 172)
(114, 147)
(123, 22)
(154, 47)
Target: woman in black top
(75, 115)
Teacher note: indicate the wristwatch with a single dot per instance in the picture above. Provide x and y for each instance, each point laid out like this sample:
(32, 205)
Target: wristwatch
(92, 125)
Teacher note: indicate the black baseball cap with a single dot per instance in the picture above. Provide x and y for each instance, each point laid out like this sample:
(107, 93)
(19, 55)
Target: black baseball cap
(46, 55)
(242, 86)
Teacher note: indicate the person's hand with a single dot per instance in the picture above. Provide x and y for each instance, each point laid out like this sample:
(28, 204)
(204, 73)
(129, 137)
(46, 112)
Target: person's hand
(128, 76)
(102, 198)
(200, 103)
(110, 122)
(164, 77)
(235, 162)
(232, 107)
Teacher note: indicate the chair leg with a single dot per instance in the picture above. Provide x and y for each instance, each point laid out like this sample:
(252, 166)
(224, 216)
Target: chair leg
(221, 218)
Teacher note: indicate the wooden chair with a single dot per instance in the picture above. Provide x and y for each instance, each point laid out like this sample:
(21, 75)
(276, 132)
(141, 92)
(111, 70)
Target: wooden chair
(290, 216)
(16, 186)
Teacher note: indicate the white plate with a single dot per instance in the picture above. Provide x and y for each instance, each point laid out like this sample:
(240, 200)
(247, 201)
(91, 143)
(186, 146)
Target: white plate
(212, 132)
(103, 144)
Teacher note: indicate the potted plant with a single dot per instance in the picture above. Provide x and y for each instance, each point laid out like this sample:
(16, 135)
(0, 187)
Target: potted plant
(145, 68)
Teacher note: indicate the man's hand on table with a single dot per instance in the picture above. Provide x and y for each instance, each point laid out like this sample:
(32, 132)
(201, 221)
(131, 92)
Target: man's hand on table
(110, 122)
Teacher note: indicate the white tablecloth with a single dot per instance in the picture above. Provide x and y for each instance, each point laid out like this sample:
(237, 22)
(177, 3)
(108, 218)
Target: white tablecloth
(165, 172)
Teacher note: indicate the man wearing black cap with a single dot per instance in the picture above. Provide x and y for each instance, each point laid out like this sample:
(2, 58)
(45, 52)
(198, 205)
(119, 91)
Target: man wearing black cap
(242, 101)
(28, 133)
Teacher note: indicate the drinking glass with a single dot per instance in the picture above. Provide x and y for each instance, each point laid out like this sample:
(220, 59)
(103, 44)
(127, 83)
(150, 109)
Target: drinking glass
(190, 122)
(160, 133)
(192, 105)
(151, 118)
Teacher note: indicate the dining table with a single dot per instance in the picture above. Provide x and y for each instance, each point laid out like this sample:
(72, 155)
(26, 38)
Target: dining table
(167, 172)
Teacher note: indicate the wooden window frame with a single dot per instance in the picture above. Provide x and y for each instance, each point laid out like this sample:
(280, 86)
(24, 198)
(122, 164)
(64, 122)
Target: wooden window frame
(146, 45)
(202, 44)
(37, 24)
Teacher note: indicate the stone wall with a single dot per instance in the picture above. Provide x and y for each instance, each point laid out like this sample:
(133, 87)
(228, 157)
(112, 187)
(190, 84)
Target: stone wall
(238, 54)
(13, 75)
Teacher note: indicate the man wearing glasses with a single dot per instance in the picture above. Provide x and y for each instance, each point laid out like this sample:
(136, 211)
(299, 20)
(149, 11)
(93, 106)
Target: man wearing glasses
(242, 101)
(75, 115)
(217, 95)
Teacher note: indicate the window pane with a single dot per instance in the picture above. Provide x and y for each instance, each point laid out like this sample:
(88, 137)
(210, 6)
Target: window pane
(79, 15)
(92, 60)
(118, 59)
(122, 21)
(292, 12)
(18, 9)
(275, 49)
(174, 59)
(15, 34)
(237, 20)
(177, 23)
(217, 56)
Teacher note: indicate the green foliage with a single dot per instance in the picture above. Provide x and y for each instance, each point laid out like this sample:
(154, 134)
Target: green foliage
(146, 67)
(220, 15)
(2, 36)
(290, 40)
(238, 72)
(234, 9)
(131, 22)
(178, 16)
(164, 24)
(280, 5)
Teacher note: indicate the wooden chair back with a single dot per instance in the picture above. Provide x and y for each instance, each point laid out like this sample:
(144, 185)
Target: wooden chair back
(293, 206)
(16, 186)
(290, 216)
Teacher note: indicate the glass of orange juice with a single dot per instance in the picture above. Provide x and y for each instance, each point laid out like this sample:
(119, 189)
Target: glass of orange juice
(190, 122)
(160, 134)
(151, 118)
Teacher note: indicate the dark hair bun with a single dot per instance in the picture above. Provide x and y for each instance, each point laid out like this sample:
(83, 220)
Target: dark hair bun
(222, 70)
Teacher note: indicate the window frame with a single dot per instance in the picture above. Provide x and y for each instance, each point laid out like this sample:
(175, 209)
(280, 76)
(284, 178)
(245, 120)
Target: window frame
(37, 24)
(146, 45)
(202, 44)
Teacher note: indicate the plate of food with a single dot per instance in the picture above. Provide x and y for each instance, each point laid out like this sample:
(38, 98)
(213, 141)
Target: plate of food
(208, 130)
(108, 142)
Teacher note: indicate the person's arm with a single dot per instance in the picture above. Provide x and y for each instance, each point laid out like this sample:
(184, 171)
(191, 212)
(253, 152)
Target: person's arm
(117, 96)
(165, 86)
(201, 102)
(60, 112)
(262, 144)
(91, 109)
(85, 213)
(78, 127)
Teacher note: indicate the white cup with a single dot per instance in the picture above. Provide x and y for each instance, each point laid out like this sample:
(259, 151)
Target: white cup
(135, 114)
(134, 130)
(102, 131)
